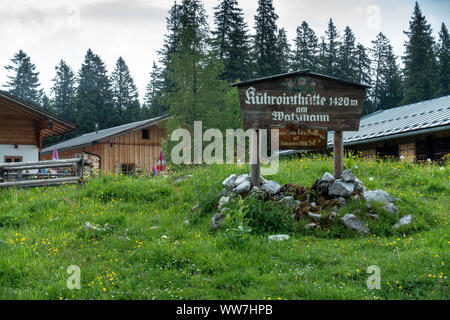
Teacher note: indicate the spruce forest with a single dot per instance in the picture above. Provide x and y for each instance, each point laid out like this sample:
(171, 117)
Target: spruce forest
(197, 63)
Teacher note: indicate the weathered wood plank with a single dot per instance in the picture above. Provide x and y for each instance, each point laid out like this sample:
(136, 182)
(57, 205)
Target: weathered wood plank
(40, 182)
(308, 101)
(41, 163)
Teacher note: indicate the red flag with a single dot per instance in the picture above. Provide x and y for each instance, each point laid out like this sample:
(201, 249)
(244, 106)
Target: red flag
(161, 165)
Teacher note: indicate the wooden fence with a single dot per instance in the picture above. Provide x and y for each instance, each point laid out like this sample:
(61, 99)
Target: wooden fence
(12, 174)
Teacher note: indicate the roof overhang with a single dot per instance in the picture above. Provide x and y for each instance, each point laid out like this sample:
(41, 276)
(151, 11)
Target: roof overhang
(393, 136)
(47, 123)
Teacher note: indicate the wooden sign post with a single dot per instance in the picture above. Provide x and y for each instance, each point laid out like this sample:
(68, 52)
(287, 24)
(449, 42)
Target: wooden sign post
(255, 173)
(338, 154)
(306, 100)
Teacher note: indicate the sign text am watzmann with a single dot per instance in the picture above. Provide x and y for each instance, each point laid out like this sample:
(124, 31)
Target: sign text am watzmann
(253, 97)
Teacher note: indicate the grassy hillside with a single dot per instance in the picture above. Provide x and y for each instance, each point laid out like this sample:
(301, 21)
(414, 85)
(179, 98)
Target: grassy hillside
(145, 249)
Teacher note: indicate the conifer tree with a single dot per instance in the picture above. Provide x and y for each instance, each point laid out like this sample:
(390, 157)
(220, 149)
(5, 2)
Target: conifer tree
(24, 81)
(188, 62)
(125, 94)
(363, 70)
(231, 40)
(306, 49)
(363, 74)
(46, 102)
(391, 93)
(153, 95)
(379, 53)
(322, 56)
(347, 56)
(284, 52)
(170, 47)
(64, 91)
(387, 85)
(94, 96)
(443, 53)
(331, 66)
(419, 60)
(265, 40)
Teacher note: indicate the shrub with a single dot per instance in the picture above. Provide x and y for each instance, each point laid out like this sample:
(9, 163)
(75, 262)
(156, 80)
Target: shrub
(268, 217)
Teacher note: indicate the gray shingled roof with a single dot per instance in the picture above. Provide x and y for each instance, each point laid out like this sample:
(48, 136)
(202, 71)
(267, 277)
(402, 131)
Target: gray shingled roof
(409, 119)
(94, 137)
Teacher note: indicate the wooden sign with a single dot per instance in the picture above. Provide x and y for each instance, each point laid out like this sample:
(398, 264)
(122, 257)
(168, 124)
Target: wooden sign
(306, 99)
(292, 137)
(302, 99)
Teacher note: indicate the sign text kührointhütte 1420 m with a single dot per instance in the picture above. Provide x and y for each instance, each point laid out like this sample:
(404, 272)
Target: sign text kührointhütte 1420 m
(306, 100)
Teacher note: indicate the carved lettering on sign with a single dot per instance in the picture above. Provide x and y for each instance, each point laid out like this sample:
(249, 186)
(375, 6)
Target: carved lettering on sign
(305, 99)
(292, 137)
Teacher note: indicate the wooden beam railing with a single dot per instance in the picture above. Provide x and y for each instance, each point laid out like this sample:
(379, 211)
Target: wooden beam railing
(12, 174)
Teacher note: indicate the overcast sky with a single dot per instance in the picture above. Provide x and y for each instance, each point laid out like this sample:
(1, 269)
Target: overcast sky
(50, 30)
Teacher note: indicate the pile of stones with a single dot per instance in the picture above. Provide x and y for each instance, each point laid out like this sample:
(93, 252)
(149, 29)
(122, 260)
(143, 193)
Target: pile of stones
(319, 204)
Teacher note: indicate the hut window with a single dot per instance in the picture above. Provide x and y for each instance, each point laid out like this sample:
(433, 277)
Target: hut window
(145, 134)
(9, 159)
(127, 169)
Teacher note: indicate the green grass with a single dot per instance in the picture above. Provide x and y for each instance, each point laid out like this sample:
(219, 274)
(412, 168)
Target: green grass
(42, 234)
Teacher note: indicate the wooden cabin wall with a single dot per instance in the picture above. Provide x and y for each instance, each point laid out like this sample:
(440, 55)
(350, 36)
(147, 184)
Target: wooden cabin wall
(131, 149)
(17, 129)
(67, 154)
(413, 148)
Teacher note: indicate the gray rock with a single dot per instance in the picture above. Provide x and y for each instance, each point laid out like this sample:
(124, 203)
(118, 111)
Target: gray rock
(373, 216)
(353, 223)
(341, 189)
(342, 201)
(378, 196)
(359, 185)
(241, 179)
(230, 182)
(328, 177)
(225, 192)
(223, 202)
(254, 189)
(406, 220)
(391, 208)
(314, 216)
(348, 176)
(311, 225)
(243, 187)
(297, 202)
(217, 220)
(288, 201)
(263, 181)
(181, 179)
(313, 204)
(323, 186)
(279, 237)
(333, 216)
(382, 197)
(196, 208)
(271, 187)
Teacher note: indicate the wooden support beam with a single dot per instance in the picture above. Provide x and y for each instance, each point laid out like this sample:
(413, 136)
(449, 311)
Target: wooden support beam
(55, 163)
(36, 167)
(40, 182)
(338, 154)
(255, 173)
